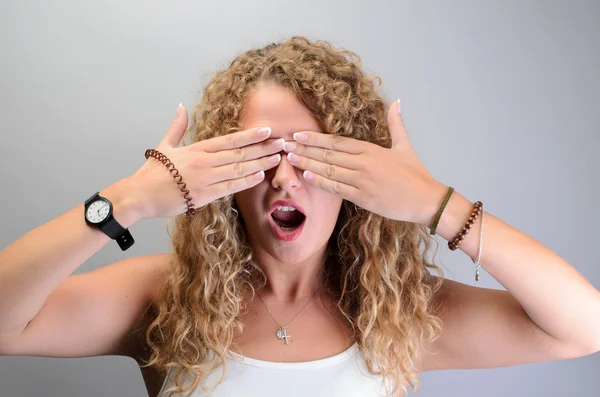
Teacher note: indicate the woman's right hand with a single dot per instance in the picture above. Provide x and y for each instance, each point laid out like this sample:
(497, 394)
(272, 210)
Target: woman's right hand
(211, 168)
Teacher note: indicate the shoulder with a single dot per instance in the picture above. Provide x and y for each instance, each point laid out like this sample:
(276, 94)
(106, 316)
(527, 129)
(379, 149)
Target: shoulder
(157, 267)
(148, 273)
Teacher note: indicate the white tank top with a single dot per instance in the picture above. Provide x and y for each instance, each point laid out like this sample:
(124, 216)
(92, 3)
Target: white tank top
(344, 374)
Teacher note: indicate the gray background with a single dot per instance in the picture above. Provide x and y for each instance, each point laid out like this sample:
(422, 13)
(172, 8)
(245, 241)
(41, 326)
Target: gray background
(500, 101)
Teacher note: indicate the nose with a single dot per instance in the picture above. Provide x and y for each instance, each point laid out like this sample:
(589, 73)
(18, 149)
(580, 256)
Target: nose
(287, 177)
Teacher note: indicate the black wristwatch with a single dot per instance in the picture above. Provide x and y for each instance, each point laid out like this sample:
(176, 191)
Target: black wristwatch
(98, 213)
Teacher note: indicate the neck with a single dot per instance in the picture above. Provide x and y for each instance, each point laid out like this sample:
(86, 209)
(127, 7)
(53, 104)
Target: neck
(289, 283)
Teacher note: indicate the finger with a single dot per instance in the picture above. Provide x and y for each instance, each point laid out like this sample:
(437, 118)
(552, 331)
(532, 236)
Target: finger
(178, 127)
(251, 152)
(237, 170)
(232, 186)
(328, 156)
(234, 140)
(336, 187)
(330, 141)
(396, 125)
(329, 171)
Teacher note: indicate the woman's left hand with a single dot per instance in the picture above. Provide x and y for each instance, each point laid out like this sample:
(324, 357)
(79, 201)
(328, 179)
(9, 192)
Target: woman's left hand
(389, 182)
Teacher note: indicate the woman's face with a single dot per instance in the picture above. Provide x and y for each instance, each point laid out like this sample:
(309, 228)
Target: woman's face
(275, 107)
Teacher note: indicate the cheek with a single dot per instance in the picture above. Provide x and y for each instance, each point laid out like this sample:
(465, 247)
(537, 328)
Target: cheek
(254, 194)
(246, 202)
(329, 208)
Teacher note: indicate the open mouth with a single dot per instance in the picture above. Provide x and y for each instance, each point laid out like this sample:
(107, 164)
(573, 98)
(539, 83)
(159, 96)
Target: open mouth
(288, 220)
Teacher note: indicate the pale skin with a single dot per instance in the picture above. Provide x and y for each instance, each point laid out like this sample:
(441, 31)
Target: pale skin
(548, 311)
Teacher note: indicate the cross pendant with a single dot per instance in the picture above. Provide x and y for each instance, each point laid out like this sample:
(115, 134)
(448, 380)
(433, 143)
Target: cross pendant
(282, 334)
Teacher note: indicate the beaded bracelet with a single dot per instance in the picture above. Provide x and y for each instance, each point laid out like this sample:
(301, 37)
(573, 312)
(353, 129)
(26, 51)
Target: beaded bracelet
(171, 167)
(477, 208)
(453, 245)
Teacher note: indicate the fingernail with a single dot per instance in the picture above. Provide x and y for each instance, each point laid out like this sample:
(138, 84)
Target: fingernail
(293, 158)
(264, 132)
(289, 146)
(179, 107)
(300, 136)
(399, 107)
(259, 175)
(278, 143)
(275, 159)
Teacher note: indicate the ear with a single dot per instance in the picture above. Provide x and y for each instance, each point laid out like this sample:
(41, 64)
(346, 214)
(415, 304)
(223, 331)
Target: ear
(396, 125)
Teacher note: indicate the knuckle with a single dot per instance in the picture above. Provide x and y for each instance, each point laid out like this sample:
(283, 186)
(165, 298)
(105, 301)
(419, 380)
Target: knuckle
(239, 152)
(230, 139)
(328, 154)
(336, 141)
(238, 169)
(330, 171)
(337, 187)
(230, 185)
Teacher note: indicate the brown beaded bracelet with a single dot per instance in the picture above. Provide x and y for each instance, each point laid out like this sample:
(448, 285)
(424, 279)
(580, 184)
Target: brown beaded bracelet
(171, 167)
(477, 207)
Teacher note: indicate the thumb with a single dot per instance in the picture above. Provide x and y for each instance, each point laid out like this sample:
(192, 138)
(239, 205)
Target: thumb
(178, 127)
(396, 125)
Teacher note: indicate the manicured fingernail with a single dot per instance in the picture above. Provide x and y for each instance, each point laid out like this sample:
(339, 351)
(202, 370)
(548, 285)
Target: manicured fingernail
(293, 157)
(309, 175)
(399, 107)
(300, 136)
(179, 107)
(259, 175)
(278, 143)
(289, 146)
(275, 159)
(264, 132)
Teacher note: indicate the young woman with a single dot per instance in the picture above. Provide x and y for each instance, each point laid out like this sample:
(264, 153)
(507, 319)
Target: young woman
(299, 256)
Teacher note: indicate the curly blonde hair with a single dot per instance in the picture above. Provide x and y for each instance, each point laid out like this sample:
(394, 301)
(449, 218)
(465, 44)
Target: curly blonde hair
(384, 284)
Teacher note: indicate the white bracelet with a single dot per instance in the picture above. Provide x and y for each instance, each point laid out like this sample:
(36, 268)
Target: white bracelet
(478, 261)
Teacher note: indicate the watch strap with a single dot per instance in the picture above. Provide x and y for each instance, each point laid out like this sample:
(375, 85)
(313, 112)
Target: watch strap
(115, 231)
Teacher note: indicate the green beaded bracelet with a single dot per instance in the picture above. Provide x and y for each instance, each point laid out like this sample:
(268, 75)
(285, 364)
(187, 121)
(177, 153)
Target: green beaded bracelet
(439, 213)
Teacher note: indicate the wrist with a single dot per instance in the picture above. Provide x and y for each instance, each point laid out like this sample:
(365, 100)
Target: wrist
(454, 216)
(436, 194)
(127, 207)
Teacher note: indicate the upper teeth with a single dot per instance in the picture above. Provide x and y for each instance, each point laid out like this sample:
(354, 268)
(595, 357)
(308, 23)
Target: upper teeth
(286, 208)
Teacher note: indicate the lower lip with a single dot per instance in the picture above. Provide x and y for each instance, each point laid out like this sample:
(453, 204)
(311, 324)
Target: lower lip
(286, 235)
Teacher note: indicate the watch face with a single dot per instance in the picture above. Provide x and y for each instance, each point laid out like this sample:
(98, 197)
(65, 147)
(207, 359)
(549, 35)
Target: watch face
(97, 211)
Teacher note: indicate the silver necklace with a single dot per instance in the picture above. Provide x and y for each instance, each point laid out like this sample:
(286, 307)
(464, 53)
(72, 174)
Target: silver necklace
(282, 332)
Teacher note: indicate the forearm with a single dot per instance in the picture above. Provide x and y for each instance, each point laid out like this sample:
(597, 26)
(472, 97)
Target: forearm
(35, 264)
(552, 292)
